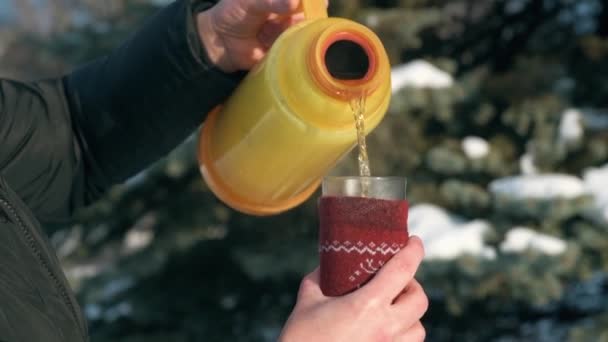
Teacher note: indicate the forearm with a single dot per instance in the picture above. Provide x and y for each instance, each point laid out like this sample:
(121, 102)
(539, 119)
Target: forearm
(135, 105)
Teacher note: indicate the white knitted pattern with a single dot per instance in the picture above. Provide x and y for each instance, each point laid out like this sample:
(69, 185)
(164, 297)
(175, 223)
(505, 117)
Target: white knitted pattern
(360, 247)
(366, 268)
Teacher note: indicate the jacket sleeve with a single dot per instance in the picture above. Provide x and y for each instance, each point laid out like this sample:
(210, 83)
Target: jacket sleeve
(65, 141)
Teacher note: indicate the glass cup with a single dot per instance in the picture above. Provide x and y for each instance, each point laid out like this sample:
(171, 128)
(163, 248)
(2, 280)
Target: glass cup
(363, 223)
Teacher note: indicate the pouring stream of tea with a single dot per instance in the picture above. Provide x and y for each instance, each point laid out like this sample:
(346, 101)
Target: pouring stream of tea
(358, 107)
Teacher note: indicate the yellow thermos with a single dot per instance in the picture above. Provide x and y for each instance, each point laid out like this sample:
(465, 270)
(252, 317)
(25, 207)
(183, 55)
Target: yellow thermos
(290, 120)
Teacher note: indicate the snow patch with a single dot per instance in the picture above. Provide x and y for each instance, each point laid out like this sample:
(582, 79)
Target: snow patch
(373, 20)
(475, 147)
(72, 240)
(446, 236)
(138, 239)
(83, 271)
(571, 126)
(596, 183)
(526, 164)
(141, 235)
(519, 239)
(419, 74)
(546, 186)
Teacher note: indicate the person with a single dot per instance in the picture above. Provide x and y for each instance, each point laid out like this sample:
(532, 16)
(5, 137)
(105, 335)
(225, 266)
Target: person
(65, 141)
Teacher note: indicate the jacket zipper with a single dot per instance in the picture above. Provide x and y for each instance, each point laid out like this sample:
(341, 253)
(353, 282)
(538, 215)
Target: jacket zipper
(33, 245)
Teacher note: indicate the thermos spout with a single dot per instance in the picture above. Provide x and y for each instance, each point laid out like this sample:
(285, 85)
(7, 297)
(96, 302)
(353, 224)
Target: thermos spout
(347, 60)
(343, 61)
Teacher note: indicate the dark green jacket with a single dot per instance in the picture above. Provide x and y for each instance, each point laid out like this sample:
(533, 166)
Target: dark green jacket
(65, 141)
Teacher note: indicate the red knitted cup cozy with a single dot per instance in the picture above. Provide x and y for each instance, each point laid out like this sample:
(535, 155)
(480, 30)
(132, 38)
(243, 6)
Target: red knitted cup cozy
(357, 236)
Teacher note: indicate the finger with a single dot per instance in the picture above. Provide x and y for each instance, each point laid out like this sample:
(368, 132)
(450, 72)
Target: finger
(297, 17)
(273, 6)
(310, 288)
(411, 305)
(249, 55)
(273, 28)
(415, 333)
(394, 276)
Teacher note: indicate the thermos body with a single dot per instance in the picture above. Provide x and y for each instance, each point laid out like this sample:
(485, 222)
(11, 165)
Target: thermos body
(290, 121)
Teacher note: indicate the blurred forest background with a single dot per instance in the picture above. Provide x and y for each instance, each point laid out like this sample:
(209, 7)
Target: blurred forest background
(498, 120)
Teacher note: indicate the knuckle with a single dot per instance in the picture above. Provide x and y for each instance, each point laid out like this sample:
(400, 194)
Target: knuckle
(306, 285)
(422, 301)
(417, 332)
(402, 260)
(416, 247)
(420, 332)
(356, 306)
(425, 303)
(370, 304)
(365, 305)
(404, 266)
(398, 324)
(421, 247)
(383, 334)
(309, 277)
